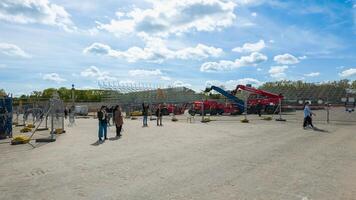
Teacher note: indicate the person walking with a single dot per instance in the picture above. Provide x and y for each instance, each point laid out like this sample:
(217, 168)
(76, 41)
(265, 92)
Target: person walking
(145, 114)
(307, 116)
(159, 115)
(118, 120)
(102, 117)
(65, 112)
(259, 108)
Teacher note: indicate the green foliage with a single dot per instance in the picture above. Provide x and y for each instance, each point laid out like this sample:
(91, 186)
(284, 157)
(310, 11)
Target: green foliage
(353, 85)
(214, 96)
(65, 94)
(2, 92)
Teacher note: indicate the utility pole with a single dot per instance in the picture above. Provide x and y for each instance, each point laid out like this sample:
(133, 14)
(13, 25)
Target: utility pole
(72, 108)
(73, 98)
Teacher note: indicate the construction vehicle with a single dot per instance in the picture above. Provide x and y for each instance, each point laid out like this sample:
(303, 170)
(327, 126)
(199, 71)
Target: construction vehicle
(176, 109)
(268, 101)
(212, 107)
(81, 110)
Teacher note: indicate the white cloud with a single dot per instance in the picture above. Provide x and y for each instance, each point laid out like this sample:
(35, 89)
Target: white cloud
(224, 65)
(249, 2)
(35, 11)
(302, 57)
(53, 77)
(251, 47)
(231, 84)
(254, 14)
(278, 72)
(312, 74)
(155, 50)
(174, 17)
(165, 78)
(95, 72)
(244, 81)
(13, 50)
(144, 73)
(286, 59)
(348, 72)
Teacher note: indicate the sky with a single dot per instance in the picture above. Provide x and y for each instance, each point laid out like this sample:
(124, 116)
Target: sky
(192, 43)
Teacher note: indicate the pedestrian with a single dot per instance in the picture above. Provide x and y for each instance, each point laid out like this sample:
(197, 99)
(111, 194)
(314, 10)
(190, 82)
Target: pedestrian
(307, 116)
(145, 114)
(159, 115)
(118, 120)
(109, 112)
(102, 117)
(65, 113)
(259, 108)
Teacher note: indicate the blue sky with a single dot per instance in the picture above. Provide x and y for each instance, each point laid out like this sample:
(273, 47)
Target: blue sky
(54, 43)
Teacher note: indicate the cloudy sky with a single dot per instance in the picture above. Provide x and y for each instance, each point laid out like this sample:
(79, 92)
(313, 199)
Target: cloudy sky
(55, 43)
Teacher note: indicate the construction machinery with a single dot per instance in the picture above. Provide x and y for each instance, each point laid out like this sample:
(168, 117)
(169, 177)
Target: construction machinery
(212, 107)
(267, 101)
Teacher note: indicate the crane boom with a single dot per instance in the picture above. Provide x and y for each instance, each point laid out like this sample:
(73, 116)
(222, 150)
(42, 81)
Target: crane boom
(257, 91)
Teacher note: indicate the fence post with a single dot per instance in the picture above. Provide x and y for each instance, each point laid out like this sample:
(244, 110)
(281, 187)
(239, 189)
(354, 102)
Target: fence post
(202, 111)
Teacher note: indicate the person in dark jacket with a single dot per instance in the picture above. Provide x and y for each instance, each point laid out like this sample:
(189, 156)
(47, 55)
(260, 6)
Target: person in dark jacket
(65, 113)
(118, 120)
(259, 108)
(307, 116)
(159, 115)
(103, 120)
(145, 114)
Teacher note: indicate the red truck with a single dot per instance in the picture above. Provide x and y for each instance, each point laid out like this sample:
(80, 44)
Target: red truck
(177, 109)
(213, 108)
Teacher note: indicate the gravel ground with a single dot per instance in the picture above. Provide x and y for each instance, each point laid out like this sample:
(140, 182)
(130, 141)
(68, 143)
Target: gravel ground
(222, 159)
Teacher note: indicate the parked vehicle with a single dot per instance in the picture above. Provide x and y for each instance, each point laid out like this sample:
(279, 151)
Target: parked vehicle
(269, 102)
(212, 107)
(81, 110)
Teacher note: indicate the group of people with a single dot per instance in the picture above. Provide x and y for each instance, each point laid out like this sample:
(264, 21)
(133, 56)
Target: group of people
(145, 113)
(104, 114)
(104, 118)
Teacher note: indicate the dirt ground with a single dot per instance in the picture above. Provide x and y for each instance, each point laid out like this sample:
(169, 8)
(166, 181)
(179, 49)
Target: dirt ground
(223, 159)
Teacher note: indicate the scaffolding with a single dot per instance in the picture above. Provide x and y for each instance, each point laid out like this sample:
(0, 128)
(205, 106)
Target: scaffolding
(137, 93)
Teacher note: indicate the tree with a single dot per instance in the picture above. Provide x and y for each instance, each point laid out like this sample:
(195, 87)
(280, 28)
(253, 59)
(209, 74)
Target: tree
(353, 85)
(2, 92)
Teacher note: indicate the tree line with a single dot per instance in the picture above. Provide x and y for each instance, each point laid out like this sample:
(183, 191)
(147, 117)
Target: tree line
(300, 85)
(90, 95)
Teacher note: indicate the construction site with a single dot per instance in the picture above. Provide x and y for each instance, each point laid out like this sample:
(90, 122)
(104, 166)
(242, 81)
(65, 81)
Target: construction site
(246, 143)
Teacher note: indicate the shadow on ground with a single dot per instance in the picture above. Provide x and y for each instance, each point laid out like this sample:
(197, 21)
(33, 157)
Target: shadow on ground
(114, 138)
(97, 143)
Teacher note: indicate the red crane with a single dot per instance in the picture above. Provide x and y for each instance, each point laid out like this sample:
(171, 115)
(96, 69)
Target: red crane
(267, 99)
